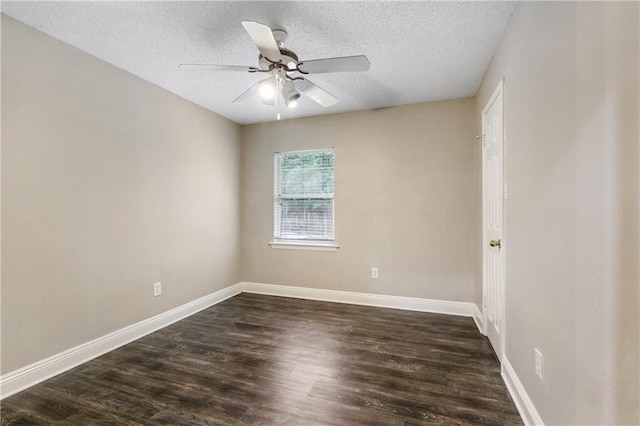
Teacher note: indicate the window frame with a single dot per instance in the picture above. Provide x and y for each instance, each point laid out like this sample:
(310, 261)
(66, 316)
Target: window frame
(304, 243)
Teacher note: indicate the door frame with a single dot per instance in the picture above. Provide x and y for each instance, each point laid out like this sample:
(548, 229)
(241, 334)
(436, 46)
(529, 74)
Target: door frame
(499, 91)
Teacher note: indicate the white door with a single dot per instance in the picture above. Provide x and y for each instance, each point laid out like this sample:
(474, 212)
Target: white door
(492, 199)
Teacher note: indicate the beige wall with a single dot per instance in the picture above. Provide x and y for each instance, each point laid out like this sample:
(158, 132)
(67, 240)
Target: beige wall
(571, 115)
(405, 201)
(109, 184)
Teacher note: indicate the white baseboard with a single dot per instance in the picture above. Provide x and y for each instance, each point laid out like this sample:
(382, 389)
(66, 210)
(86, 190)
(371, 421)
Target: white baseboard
(383, 301)
(478, 318)
(25, 377)
(519, 395)
(15, 381)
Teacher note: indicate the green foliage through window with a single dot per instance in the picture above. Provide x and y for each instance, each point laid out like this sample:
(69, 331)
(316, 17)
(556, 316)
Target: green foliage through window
(304, 185)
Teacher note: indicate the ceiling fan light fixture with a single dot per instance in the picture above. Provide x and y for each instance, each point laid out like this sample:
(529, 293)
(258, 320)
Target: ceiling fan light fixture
(267, 90)
(290, 93)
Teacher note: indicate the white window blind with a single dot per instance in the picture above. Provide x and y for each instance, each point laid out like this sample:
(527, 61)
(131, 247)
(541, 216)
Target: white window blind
(303, 183)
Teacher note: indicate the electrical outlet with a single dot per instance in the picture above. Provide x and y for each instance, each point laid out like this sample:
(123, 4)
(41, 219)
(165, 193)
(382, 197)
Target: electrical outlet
(539, 364)
(374, 273)
(157, 289)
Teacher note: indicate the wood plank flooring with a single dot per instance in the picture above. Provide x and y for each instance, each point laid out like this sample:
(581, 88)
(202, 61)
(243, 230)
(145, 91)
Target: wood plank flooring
(261, 360)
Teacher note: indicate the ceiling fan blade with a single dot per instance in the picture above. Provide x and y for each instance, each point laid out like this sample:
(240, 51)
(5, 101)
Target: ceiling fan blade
(262, 36)
(344, 64)
(315, 92)
(250, 91)
(211, 67)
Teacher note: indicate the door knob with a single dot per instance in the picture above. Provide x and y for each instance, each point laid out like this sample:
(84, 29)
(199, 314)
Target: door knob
(495, 243)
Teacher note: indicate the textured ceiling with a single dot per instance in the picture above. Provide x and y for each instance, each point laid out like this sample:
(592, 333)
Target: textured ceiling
(419, 51)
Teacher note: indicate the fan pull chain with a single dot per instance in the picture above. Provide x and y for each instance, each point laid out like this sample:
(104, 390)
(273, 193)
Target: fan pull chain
(278, 90)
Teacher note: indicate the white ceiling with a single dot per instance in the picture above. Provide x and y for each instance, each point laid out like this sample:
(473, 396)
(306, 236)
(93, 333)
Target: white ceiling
(419, 51)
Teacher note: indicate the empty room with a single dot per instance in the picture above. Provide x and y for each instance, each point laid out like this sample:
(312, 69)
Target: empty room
(320, 213)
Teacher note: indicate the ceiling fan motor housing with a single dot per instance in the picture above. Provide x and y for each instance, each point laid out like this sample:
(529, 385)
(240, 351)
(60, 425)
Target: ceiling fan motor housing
(289, 59)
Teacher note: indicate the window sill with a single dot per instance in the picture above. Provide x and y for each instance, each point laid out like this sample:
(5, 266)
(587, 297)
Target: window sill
(303, 245)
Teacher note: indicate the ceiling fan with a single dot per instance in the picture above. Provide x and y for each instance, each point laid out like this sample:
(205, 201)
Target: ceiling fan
(285, 70)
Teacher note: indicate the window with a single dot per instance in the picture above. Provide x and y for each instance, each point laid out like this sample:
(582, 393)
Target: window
(303, 199)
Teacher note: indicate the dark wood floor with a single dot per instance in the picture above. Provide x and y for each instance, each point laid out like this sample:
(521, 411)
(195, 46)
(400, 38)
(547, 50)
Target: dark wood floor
(261, 360)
